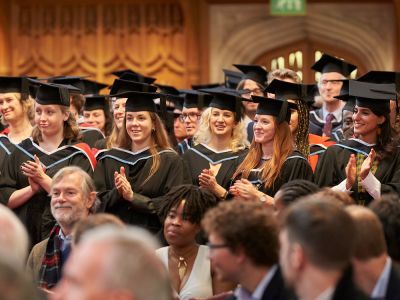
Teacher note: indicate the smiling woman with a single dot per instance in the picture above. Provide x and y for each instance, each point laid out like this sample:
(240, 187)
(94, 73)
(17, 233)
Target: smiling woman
(369, 164)
(272, 159)
(27, 177)
(16, 108)
(142, 167)
(219, 143)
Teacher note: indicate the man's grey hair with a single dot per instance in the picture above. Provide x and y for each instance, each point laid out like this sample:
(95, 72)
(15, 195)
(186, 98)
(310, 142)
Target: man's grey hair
(14, 239)
(131, 264)
(87, 184)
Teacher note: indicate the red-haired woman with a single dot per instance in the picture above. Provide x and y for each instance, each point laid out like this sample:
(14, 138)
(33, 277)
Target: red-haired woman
(272, 159)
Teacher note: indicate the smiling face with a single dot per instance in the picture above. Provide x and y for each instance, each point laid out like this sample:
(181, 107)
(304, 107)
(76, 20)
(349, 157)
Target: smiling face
(366, 122)
(95, 118)
(254, 90)
(222, 122)
(330, 85)
(139, 126)
(50, 119)
(10, 107)
(68, 203)
(191, 118)
(264, 129)
(179, 231)
(119, 112)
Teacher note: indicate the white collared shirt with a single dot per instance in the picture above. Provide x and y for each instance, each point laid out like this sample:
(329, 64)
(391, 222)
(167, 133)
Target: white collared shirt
(243, 294)
(337, 114)
(327, 294)
(381, 285)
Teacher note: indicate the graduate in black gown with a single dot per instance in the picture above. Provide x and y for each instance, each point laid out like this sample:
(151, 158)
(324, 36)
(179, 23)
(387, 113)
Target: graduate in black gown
(369, 165)
(272, 159)
(143, 167)
(16, 108)
(26, 180)
(97, 115)
(220, 143)
(118, 109)
(193, 105)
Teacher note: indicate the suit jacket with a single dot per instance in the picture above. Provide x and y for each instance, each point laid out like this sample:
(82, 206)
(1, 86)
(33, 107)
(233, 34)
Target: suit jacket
(346, 289)
(275, 289)
(35, 259)
(393, 289)
(317, 124)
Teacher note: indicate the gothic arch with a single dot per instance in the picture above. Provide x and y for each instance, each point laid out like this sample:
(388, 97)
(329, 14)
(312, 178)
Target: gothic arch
(258, 35)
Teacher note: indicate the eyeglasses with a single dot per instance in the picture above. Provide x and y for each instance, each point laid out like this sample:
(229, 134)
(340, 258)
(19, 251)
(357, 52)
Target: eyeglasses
(216, 246)
(255, 92)
(333, 82)
(192, 117)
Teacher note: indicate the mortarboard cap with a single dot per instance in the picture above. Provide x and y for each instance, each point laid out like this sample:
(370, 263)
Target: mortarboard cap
(205, 86)
(139, 101)
(232, 78)
(120, 86)
(15, 85)
(85, 86)
(128, 74)
(285, 90)
(254, 72)
(195, 99)
(328, 63)
(47, 94)
(374, 96)
(226, 99)
(273, 107)
(382, 77)
(93, 102)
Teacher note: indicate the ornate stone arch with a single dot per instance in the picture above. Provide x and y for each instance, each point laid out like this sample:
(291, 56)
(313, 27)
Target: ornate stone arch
(365, 31)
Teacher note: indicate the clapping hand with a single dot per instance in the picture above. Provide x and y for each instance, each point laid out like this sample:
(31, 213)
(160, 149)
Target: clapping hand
(122, 184)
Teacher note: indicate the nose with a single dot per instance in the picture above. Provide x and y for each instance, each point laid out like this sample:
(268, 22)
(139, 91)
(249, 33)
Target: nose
(356, 116)
(177, 221)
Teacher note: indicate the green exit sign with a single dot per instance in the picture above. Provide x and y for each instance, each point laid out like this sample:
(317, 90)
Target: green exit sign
(288, 7)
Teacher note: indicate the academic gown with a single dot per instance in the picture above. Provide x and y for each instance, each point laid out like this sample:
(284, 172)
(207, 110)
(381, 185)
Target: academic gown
(295, 167)
(185, 145)
(317, 124)
(35, 213)
(318, 145)
(393, 288)
(6, 148)
(137, 166)
(200, 157)
(90, 135)
(332, 164)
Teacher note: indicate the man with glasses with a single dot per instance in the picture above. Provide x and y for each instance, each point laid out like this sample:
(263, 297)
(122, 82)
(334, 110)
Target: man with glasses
(192, 108)
(244, 249)
(328, 119)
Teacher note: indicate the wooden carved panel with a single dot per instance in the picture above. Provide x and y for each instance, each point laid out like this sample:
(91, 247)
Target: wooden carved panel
(95, 39)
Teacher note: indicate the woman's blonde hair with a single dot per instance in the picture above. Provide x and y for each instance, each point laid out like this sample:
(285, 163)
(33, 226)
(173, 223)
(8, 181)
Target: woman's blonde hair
(70, 131)
(282, 148)
(159, 139)
(27, 104)
(203, 134)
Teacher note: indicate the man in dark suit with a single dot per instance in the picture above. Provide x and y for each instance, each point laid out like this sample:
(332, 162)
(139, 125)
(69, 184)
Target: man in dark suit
(244, 249)
(328, 119)
(374, 271)
(316, 246)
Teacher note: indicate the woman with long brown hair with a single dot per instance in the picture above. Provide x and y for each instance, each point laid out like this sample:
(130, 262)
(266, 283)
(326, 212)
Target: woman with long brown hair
(142, 167)
(25, 182)
(366, 166)
(272, 159)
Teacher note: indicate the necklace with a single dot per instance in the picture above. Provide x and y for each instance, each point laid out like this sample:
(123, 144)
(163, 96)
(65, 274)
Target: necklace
(182, 262)
(182, 267)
